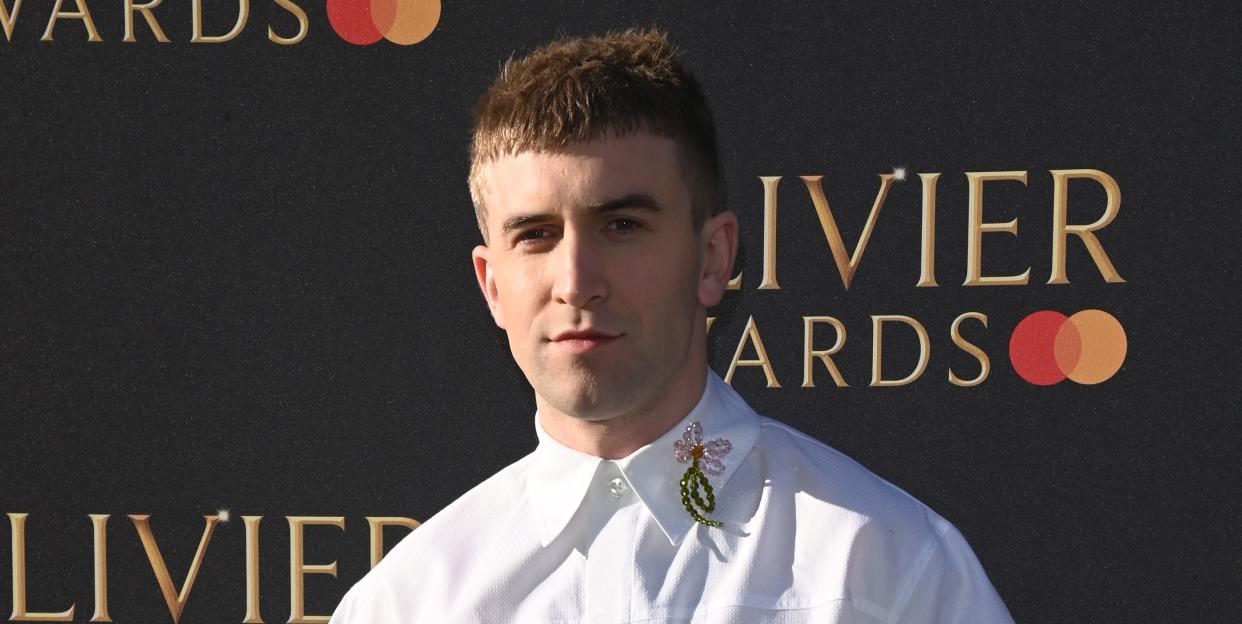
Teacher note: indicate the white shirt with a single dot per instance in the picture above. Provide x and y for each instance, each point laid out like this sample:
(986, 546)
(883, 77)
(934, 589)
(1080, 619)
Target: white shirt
(562, 536)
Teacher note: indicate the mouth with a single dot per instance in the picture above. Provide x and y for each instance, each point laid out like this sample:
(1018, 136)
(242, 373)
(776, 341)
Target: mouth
(583, 341)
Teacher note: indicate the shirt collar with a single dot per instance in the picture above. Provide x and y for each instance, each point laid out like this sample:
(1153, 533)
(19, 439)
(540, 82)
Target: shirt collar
(559, 476)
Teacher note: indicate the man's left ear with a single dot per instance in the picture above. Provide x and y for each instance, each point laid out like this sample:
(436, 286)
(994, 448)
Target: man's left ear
(719, 236)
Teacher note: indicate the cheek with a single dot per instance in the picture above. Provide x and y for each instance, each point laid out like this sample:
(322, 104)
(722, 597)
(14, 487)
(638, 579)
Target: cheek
(670, 287)
(684, 270)
(520, 298)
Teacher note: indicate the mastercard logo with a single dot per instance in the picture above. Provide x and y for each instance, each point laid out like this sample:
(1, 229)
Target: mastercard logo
(1047, 347)
(364, 22)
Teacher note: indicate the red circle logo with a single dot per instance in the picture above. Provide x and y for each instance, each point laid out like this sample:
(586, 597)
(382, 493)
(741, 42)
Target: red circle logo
(1047, 347)
(364, 22)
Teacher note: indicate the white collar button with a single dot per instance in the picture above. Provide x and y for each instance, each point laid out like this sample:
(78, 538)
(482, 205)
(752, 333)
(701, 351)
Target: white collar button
(617, 487)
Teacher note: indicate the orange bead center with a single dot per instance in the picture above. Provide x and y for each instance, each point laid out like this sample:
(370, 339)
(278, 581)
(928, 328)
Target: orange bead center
(697, 451)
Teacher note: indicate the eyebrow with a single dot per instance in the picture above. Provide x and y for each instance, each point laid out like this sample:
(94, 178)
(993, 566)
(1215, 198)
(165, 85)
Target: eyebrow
(641, 201)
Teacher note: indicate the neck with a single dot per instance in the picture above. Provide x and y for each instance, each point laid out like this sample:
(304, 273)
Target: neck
(619, 436)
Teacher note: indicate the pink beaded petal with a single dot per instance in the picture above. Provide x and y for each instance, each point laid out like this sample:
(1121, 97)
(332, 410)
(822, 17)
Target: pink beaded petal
(693, 432)
(712, 466)
(681, 450)
(717, 448)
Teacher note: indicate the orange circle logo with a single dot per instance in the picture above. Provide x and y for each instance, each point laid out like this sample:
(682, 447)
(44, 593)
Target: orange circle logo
(1047, 347)
(364, 22)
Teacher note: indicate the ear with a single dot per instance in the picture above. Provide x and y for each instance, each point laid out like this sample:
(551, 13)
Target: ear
(719, 236)
(487, 282)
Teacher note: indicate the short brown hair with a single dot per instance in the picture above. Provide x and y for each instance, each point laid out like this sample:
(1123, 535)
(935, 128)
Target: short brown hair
(580, 89)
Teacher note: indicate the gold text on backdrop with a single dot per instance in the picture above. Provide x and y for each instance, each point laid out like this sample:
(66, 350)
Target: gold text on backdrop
(176, 597)
(847, 260)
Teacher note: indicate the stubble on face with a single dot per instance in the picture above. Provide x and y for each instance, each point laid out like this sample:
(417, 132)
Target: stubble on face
(636, 285)
(623, 379)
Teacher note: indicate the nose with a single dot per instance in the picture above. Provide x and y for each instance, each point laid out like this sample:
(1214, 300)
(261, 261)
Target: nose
(580, 278)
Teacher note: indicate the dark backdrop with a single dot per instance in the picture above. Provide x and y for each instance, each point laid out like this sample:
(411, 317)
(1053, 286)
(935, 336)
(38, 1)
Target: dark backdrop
(236, 276)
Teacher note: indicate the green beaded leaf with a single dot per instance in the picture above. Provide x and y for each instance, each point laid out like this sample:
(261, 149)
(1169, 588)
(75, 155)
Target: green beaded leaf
(691, 482)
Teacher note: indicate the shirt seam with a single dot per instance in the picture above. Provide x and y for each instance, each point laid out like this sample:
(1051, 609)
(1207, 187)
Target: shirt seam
(916, 574)
(697, 615)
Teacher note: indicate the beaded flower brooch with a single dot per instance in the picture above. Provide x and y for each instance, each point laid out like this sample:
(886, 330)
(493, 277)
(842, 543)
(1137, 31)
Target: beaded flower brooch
(704, 459)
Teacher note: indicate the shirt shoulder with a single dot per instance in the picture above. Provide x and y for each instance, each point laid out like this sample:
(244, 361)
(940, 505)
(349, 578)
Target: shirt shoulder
(427, 556)
(836, 481)
(903, 561)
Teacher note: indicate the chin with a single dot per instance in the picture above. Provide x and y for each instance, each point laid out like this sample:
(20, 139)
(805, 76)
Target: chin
(594, 393)
(591, 402)
(591, 408)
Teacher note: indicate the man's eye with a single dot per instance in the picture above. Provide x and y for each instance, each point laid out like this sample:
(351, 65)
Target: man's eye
(624, 224)
(533, 234)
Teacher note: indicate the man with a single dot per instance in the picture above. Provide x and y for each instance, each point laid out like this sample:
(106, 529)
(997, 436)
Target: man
(655, 494)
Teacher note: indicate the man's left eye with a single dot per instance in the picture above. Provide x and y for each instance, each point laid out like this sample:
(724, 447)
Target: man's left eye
(623, 224)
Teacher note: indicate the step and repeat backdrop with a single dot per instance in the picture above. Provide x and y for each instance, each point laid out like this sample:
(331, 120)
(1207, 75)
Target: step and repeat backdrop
(988, 250)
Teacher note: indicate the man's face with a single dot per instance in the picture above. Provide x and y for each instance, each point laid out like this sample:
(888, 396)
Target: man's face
(594, 269)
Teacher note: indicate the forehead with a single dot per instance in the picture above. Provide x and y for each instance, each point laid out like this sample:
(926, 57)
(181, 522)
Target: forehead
(585, 174)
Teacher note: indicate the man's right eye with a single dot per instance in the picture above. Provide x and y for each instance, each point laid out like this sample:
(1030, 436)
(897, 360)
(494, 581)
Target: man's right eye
(533, 234)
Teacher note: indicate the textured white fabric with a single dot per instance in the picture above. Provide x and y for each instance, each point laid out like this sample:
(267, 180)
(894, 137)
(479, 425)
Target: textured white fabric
(562, 536)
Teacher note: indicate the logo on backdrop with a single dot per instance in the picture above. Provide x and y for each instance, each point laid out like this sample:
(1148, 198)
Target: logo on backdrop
(361, 22)
(1047, 347)
(364, 22)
